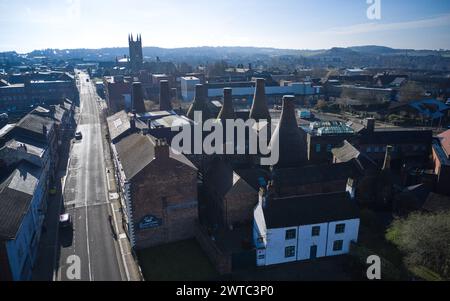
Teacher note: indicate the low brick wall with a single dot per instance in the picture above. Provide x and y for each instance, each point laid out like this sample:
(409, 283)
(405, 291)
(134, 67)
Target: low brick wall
(221, 261)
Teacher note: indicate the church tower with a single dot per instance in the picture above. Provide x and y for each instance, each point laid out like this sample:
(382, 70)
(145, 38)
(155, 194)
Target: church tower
(136, 55)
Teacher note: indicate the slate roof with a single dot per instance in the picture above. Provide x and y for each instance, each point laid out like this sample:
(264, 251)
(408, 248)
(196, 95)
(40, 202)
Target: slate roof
(347, 152)
(223, 180)
(119, 125)
(137, 151)
(16, 194)
(315, 174)
(309, 210)
(395, 136)
(34, 123)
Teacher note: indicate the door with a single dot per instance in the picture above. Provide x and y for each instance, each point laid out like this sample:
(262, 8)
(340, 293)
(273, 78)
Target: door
(313, 252)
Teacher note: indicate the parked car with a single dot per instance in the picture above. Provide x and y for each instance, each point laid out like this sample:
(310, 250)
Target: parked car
(78, 136)
(65, 221)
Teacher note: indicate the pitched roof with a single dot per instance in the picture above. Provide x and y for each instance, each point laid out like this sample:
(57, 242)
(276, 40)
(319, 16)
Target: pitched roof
(119, 124)
(309, 210)
(223, 180)
(136, 151)
(16, 194)
(395, 136)
(348, 152)
(315, 174)
(34, 124)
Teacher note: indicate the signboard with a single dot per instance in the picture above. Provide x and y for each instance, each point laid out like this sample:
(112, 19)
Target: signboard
(150, 222)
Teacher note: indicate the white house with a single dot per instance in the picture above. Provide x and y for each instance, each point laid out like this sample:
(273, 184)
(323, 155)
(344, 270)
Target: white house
(304, 228)
(188, 84)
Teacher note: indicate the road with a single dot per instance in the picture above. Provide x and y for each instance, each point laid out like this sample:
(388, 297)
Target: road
(86, 198)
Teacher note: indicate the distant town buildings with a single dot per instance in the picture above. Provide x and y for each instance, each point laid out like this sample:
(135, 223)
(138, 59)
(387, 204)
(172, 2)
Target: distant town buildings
(26, 91)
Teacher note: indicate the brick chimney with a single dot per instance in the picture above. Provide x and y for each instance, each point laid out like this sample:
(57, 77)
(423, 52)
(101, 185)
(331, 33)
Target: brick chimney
(162, 149)
(138, 105)
(200, 103)
(164, 96)
(369, 123)
(259, 110)
(133, 121)
(292, 145)
(388, 158)
(227, 111)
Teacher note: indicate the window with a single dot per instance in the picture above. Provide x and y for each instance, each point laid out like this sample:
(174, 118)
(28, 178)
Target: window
(291, 234)
(316, 231)
(338, 245)
(318, 148)
(289, 252)
(369, 149)
(329, 148)
(340, 228)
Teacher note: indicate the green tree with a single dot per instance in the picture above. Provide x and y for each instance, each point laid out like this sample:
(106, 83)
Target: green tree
(425, 241)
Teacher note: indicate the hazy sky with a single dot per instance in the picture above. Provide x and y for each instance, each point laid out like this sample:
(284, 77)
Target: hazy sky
(299, 24)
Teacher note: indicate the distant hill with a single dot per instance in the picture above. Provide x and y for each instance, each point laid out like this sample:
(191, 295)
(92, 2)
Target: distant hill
(287, 59)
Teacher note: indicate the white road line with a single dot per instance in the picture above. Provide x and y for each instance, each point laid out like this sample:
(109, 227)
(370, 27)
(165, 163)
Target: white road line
(86, 203)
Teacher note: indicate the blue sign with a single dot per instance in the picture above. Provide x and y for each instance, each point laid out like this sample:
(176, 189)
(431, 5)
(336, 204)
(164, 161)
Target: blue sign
(150, 222)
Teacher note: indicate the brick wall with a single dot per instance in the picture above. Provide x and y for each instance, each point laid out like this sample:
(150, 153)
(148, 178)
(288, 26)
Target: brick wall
(5, 273)
(167, 190)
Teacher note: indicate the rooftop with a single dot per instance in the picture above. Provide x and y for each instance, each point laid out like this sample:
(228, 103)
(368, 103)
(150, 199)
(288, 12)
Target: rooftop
(309, 210)
(16, 194)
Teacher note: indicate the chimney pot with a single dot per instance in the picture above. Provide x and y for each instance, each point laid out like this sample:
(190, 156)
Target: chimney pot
(164, 96)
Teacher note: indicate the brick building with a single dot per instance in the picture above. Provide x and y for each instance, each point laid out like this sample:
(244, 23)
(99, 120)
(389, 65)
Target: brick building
(159, 189)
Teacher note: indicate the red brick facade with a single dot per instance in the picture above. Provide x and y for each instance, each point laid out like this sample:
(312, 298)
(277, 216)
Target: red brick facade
(167, 190)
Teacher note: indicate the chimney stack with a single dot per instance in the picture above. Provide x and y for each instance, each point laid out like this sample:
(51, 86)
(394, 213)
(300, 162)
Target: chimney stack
(227, 111)
(162, 149)
(369, 123)
(291, 142)
(259, 110)
(200, 103)
(164, 96)
(388, 158)
(138, 105)
(133, 121)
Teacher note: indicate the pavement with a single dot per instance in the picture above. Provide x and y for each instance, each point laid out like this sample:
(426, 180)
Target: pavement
(97, 243)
